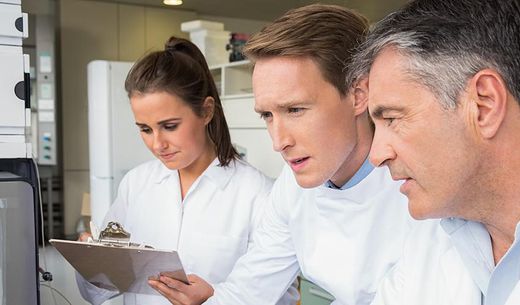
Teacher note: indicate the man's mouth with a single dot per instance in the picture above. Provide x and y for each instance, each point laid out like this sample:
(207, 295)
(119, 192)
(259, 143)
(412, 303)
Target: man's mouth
(298, 161)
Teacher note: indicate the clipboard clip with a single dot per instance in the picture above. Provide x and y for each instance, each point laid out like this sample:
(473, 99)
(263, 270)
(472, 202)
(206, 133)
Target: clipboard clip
(116, 236)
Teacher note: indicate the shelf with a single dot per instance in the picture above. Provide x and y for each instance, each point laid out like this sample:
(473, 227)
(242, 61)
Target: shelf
(237, 96)
(245, 63)
(248, 131)
(233, 78)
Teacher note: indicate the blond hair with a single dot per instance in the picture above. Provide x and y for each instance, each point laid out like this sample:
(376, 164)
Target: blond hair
(328, 34)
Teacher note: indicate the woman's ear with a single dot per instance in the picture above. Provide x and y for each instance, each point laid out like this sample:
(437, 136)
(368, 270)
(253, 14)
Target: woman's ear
(361, 96)
(208, 109)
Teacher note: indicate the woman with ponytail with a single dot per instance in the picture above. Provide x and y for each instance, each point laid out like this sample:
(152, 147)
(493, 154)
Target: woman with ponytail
(198, 198)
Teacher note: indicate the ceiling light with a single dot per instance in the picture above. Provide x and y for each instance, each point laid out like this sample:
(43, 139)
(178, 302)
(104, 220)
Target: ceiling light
(172, 2)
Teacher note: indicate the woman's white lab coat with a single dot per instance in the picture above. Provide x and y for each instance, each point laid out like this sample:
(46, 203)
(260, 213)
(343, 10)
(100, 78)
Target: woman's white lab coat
(211, 228)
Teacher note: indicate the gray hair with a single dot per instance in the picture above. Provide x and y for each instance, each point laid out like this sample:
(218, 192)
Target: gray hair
(447, 42)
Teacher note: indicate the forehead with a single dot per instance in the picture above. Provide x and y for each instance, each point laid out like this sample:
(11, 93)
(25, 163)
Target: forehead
(282, 79)
(155, 99)
(158, 104)
(391, 85)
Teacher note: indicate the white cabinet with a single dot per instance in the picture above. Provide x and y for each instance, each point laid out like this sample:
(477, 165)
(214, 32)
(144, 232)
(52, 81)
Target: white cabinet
(13, 23)
(12, 89)
(247, 129)
(14, 81)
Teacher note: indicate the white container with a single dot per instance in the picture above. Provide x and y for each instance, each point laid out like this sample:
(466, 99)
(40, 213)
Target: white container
(212, 44)
(210, 38)
(195, 25)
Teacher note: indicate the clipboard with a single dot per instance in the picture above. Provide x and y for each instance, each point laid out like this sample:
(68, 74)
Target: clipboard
(120, 268)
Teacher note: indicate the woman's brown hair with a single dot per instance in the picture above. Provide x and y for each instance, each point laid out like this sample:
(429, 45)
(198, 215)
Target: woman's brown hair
(181, 70)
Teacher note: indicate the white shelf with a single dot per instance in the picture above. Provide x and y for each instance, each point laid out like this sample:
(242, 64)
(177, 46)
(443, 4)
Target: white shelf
(246, 63)
(236, 96)
(248, 131)
(233, 78)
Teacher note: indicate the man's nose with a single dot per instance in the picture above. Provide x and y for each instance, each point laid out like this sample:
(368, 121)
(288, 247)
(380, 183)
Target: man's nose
(381, 150)
(280, 135)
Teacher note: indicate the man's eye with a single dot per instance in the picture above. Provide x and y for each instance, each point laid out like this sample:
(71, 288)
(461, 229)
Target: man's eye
(389, 121)
(295, 109)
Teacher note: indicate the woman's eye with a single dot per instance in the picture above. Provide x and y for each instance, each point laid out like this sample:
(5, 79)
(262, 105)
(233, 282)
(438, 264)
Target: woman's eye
(145, 130)
(265, 115)
(170, 127)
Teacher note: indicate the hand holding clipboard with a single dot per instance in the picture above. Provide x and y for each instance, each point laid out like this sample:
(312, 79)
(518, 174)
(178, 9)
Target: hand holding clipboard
(111, 262)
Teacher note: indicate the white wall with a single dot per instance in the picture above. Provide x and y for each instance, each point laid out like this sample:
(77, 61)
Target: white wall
(102, 30)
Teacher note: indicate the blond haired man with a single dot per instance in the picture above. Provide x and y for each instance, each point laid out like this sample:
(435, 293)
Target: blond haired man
(332, 216)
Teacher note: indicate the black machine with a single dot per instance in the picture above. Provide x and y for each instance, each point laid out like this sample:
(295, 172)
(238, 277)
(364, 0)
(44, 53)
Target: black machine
(19, 214)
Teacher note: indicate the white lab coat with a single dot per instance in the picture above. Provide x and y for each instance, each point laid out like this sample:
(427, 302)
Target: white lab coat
(342, 240)
(211, 228)
(431, 272)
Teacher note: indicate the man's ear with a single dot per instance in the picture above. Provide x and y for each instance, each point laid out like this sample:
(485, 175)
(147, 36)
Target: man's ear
(361, 96)
(208, 109)
(489, 96)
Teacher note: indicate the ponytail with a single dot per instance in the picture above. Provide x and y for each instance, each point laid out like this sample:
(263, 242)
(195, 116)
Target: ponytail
(181, 69)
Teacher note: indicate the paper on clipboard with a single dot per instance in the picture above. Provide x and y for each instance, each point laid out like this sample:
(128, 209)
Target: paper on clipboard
(123, 269)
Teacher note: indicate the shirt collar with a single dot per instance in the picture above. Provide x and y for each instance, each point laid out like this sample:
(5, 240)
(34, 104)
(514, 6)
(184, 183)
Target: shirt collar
(162, 173)
(365, 169)
(220, 175)
(452, 224)
(517, 231)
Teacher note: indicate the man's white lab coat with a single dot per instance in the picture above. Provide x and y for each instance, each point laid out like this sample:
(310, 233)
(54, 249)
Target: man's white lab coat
(342, 240)
(431, 272)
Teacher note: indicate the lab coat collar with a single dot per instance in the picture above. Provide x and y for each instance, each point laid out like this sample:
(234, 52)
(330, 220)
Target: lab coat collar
(459, 287)
(505, 278)
(473, 244)
(376, 181)
(162, 173)
(220, 175)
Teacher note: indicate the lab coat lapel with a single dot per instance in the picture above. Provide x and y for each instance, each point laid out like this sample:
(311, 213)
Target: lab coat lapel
(514, 297)
(460, 288)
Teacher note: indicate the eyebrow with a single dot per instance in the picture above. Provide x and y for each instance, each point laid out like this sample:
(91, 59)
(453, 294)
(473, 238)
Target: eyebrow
(286, 105)
(378, 112)
(160, 122)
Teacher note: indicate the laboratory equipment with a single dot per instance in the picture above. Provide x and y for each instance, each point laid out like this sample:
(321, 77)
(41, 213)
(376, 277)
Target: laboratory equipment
(18, 174)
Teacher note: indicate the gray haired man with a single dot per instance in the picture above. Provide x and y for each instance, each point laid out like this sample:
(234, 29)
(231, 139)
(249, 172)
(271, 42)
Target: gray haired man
(444, 80)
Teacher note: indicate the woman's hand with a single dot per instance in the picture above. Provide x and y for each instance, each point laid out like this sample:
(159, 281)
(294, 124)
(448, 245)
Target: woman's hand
(84, 236)
(179, 293)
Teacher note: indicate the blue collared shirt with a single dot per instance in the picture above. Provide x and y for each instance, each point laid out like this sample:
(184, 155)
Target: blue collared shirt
(361, 174)
(473, 244)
